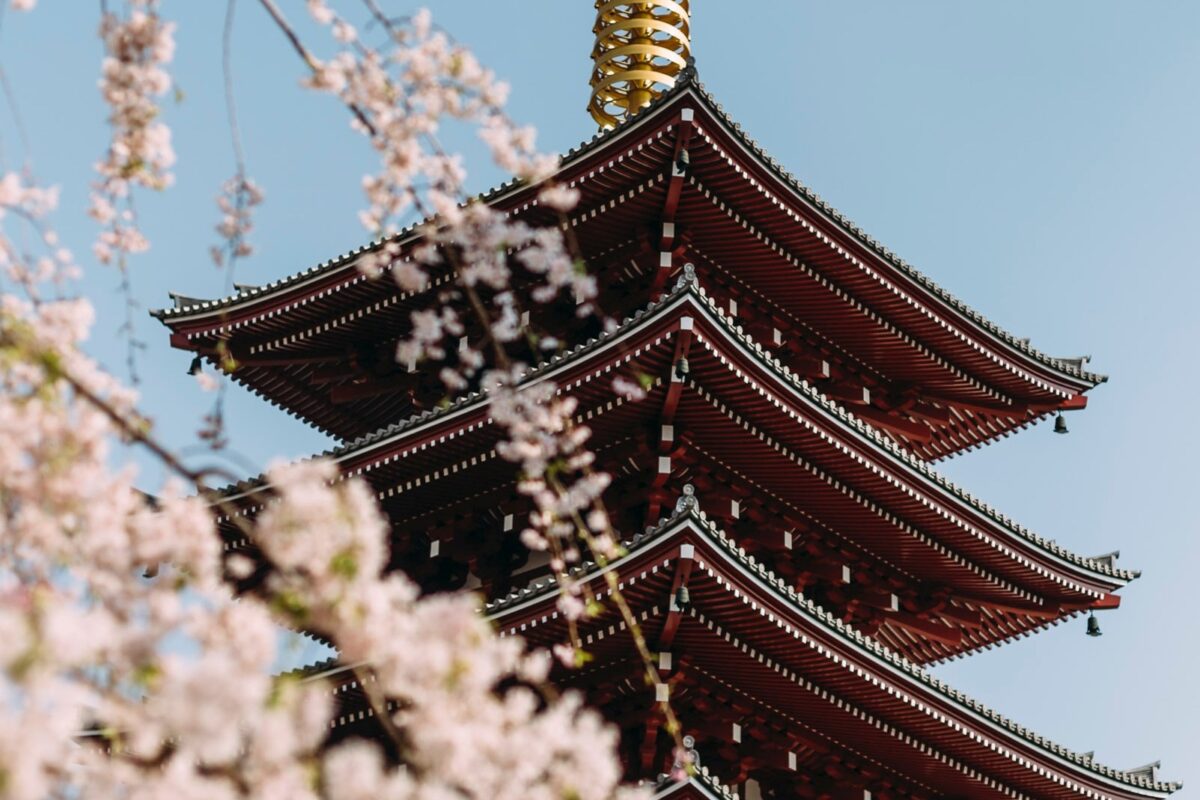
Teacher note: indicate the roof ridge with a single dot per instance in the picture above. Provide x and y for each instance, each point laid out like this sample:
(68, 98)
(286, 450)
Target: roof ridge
(701, 776)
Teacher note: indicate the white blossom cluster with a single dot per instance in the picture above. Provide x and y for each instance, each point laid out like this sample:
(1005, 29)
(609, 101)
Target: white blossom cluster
(29, 203)
(137, 47)
(98, 699)
(129, 668)
(238, 198)
(401, 95)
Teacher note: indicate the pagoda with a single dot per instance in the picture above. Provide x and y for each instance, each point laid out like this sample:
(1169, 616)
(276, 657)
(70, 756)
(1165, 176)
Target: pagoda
(791, 555)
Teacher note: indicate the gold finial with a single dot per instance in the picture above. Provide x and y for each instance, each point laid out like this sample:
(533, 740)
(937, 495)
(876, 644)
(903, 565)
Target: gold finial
(641, 47)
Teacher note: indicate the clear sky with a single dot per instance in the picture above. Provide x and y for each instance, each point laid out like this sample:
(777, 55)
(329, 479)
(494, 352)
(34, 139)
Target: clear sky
(1039, 160)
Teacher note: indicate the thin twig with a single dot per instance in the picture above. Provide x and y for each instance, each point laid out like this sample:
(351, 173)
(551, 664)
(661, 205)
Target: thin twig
(11, 99)
(378, 703)
(239, 155)
(313, 63)
(215, 424)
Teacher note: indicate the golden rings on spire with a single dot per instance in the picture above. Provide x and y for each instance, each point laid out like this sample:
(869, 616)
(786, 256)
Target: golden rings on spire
(641, 47)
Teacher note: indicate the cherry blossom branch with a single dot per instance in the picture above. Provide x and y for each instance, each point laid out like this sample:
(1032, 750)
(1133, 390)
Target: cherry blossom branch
(139, 154)
(379, 707)
(239, 196)
(137, 430)
(448, 247)
(613, 582)
(464, 698)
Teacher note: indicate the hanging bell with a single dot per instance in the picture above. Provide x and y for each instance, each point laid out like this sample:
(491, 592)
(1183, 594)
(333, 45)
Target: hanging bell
(1093, 626)
(683, 598)
(682, 162)
(197, 366)
(1060, 424)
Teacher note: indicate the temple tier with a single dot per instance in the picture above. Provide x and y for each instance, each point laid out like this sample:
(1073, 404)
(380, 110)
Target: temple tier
(791, 554)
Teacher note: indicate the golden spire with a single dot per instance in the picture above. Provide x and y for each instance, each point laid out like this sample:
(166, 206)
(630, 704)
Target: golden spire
(641, 47)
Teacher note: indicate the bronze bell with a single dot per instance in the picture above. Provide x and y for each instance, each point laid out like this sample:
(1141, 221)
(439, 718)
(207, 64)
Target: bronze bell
(1060, 424)
(1093, 626)
(683, 598)
(197, 366)
(682, 162)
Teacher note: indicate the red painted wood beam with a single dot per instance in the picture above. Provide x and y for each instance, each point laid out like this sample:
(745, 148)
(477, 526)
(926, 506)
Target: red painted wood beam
(996, 407)
(371, 388)
(809, 366)
(675, 184)
(960, 616)
(678, 169)
(916, 431)
(871, 597)
(683, 572)
(936, 631)
(1040, 612)
(649, 746)
(675, 383)
(243, 362)
(928, 412)
(1075, 403)
(683, 346)
(848, 392)
(821, 568)
(796, 763)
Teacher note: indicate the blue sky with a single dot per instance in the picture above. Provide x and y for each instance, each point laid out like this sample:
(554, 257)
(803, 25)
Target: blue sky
(1039, 160)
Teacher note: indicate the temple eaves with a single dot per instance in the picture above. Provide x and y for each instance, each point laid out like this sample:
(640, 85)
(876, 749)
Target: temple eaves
(361, 455)
(745, 572)
(687, 80)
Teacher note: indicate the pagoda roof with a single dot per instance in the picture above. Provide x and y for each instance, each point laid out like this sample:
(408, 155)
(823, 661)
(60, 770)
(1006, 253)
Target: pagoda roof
(900, 304)
(1010, 547)
(688, 82)
(1072, 367)
(761, 606)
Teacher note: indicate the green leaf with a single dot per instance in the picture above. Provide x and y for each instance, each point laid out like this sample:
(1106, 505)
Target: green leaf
(344, 564)
(146, 674)
(291, 604)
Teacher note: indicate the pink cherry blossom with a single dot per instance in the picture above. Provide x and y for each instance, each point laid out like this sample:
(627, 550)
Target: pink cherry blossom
(239, 195)
(138, 44)
(100, 583)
